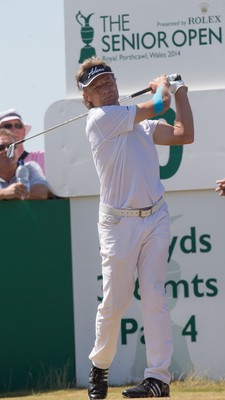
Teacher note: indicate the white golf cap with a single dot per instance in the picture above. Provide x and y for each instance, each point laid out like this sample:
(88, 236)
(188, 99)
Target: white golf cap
(12, 114)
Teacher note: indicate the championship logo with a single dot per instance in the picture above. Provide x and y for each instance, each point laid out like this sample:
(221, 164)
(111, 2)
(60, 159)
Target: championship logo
(87, 35)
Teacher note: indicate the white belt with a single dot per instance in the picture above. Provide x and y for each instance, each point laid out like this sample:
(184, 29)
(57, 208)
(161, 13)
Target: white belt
(128, 212)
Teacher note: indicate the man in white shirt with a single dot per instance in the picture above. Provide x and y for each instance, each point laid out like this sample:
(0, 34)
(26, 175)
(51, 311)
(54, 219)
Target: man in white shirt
(133, 223)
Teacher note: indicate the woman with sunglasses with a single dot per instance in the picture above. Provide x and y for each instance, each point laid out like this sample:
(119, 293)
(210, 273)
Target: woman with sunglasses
(11, 120)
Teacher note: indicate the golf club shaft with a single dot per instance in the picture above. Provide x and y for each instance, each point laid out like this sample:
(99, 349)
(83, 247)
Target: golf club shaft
(10, 152)
(171, 77)
(79, 117)
(139, 93)
(51, 128)
(131, 96)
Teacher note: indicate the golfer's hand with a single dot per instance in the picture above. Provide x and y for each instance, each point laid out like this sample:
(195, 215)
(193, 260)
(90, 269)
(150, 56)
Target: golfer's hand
(220, 187)
(161, 80)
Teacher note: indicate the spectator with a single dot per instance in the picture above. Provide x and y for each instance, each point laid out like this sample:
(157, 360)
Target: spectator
(9, 187)
(11, 120)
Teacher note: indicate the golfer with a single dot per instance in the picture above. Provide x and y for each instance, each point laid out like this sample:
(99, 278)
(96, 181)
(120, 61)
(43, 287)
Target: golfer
(133, 221)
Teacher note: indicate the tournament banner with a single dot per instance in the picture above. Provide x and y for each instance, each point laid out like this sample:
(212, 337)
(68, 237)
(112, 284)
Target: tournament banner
(146, 38)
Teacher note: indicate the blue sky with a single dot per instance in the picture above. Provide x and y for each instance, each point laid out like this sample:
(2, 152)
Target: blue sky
(32, 52)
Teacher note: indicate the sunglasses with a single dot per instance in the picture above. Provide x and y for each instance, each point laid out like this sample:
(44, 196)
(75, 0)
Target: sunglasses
(4, 146)
(17, 125)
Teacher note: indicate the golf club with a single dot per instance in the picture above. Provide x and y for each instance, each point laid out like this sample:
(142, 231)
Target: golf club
(11, 148)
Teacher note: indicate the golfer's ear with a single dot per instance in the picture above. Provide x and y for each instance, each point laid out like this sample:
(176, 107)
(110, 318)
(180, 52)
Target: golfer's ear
(86, 97)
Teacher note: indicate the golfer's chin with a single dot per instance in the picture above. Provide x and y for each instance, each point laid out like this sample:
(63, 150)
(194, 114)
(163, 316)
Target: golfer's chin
(109, 100)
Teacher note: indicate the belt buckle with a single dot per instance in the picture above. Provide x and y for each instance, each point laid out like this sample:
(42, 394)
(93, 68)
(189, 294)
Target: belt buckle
(142, 213)
(146, 213)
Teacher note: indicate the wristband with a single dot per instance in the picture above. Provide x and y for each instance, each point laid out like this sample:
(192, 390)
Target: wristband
(157, 101)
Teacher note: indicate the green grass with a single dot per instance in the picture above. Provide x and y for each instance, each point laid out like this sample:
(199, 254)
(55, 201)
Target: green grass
(195, 384)
(193, 388)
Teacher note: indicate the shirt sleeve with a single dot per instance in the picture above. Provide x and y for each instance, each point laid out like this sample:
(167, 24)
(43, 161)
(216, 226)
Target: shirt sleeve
(35, 174)
(37, 156)
(105, 123)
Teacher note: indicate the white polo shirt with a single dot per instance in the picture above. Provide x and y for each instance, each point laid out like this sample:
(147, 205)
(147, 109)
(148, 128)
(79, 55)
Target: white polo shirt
(125, 157)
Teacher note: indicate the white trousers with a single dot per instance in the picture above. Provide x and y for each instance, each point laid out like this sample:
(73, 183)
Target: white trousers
(127, 245)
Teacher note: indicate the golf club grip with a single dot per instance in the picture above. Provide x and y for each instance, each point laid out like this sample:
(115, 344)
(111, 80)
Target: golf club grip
(149, 88)
(141, 92)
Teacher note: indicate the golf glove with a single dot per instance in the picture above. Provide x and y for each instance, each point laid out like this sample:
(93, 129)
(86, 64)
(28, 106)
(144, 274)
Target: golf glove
(176, 82)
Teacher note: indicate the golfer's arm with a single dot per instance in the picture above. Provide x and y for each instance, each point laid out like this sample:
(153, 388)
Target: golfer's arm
(155, 106)
(182, 132)
(184, 124)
